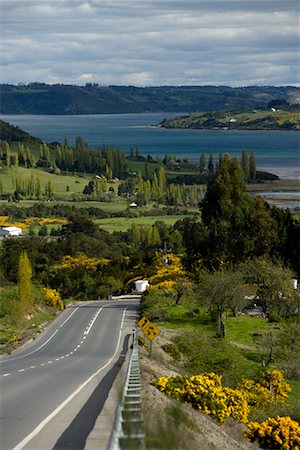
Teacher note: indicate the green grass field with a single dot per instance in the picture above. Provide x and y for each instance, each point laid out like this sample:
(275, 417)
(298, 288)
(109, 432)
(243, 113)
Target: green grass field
(61, 184)
(124, 223)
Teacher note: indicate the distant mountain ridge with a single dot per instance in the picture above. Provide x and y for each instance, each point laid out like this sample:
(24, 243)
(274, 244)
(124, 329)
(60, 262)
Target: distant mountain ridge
(40, 98)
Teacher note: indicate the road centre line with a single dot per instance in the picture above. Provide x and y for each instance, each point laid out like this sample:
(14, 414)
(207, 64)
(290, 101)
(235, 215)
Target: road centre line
(86, 332)
(49, 339)
(54, 413)
(93, 321)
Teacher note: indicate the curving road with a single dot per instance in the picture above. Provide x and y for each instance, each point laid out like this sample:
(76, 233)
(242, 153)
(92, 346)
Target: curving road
(53, 390)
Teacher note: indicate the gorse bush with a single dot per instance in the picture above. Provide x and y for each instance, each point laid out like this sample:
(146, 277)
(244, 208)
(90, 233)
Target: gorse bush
(270, 388)
(52, 298)
(206, 393)
(280, 433)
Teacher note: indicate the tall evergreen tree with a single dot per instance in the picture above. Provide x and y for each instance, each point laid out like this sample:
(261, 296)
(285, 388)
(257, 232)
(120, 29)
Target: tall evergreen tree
(225, 208)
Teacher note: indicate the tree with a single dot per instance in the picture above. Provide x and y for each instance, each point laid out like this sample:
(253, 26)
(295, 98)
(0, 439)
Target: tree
(225, 209)
(252, 167)
(24, 281)
(48, 189)
(261, 231)
(202, 163)
(220, 290)
(210, 166)
(245, 165)
(274, 288)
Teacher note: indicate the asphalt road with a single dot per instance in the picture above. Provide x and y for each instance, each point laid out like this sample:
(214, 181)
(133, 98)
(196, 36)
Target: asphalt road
(53, 390)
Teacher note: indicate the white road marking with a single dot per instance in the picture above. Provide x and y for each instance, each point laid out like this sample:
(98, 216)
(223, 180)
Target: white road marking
(86, 332)
(93, 321)
(69, 317)
(30, 353)
(49, 339)
(6, 374)
(54, 413)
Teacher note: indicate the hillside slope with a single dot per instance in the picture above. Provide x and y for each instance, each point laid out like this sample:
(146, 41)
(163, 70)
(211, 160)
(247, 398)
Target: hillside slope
(40, 98)
(11, 133)
(244, 120)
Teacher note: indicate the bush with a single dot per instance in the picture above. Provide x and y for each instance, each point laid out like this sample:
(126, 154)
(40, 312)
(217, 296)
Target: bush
(172, 350)
(206, 393)
(52, 298)
(276, 433)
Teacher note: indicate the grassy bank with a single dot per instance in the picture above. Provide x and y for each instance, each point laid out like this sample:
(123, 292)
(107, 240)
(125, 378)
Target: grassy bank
(193, 347)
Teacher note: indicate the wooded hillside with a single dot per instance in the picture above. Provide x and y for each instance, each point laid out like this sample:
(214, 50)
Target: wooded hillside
(40, 98)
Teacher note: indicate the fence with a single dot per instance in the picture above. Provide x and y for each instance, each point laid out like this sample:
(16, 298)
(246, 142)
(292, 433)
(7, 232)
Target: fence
(128, 432)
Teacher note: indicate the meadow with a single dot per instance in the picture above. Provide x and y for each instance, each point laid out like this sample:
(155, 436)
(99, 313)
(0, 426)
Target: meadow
(124, 223)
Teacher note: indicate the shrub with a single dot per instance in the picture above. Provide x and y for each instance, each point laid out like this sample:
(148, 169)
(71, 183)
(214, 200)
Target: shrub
(206, 393)
(172, 350)
(270, 388)
(276, 433)
(52, 298)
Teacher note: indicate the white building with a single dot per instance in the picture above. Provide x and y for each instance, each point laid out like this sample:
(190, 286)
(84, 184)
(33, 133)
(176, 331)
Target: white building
(294, 283)
(141, 285)
(10, 231)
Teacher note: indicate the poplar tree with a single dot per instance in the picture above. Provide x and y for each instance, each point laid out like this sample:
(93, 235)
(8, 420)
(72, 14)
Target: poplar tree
(24, 281)
(245, 164)
(210, 166)
(202, 163)
(252, 168)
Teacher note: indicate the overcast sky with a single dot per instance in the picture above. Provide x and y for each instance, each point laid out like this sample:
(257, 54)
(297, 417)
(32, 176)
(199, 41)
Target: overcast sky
(150, 42)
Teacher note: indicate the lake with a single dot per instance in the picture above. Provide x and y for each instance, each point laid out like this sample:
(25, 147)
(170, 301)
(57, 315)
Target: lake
(275, 151)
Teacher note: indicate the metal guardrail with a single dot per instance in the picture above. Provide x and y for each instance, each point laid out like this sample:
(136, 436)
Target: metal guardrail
(128, 432)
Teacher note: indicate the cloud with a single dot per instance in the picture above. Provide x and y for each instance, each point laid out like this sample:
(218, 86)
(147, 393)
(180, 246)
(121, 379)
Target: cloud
(150, 42)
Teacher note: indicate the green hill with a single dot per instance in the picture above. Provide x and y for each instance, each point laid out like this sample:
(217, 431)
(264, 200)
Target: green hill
(271, 119)
(40, 98)
(11, 133)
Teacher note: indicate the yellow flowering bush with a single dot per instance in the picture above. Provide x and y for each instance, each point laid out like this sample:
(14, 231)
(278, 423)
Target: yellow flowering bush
(82, 260)
(167, 268)
(52, 298)
(275, 382)
(167, 285)
(5, 222)
(206, 393)
(275, 433)
(45, 220)
(270, 388)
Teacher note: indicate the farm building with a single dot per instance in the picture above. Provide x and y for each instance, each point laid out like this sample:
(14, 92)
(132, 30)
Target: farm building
(141, 285)
(10, 231)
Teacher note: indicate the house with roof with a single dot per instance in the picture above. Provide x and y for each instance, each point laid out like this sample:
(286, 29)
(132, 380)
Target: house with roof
(10, 231)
